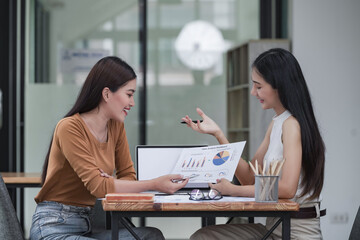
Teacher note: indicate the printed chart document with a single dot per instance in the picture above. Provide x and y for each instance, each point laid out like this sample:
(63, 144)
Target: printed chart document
(206, 164)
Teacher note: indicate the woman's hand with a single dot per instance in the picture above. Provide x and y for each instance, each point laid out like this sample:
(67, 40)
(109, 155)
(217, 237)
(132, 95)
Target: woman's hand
(104, 174)
(169, 183)
(224, 186)
(208, 126)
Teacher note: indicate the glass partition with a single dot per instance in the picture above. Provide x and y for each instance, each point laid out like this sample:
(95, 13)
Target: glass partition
(180, 79)
(65, 38)
(186, 69)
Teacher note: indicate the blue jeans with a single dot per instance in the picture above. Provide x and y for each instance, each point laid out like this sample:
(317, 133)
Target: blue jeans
(53, 220)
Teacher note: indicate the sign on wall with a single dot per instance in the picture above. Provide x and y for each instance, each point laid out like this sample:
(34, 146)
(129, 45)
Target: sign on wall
(80, 60)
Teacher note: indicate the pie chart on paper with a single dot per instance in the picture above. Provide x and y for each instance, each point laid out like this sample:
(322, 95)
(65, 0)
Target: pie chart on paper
(221, 157)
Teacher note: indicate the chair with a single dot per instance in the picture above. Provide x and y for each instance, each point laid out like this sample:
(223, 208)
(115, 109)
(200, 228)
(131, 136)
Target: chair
(10, 228)
(355, 231)
(101, 220)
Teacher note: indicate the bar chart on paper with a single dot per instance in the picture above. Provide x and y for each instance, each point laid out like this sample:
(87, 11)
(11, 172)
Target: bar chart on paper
(193, 163)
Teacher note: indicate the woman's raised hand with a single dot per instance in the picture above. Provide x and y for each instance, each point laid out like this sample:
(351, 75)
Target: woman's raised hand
(208, 126)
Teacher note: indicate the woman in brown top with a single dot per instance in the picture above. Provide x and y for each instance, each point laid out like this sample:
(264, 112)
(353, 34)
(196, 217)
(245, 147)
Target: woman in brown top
(88, 144)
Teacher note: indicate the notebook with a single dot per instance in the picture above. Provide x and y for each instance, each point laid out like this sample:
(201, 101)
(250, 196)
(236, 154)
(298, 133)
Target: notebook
(155, 161)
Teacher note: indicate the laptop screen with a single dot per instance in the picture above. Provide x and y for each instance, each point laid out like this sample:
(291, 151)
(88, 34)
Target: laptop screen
(155, 161)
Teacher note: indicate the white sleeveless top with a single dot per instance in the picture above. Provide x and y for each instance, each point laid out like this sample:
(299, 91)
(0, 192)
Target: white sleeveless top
(275, 152)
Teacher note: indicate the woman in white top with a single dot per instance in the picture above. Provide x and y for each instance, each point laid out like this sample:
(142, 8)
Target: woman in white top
(278, 84)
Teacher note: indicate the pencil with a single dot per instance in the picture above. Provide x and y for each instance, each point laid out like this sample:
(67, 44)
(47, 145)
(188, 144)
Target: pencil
(281, 163)
(264, 166)
(273, 167)
(256, 167)
(252, 167)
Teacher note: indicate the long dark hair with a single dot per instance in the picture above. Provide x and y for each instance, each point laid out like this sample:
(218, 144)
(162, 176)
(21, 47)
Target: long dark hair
(111, 72)
(282, 71)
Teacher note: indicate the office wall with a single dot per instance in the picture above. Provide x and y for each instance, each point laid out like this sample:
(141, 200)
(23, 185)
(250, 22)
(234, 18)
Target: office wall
(325, 37)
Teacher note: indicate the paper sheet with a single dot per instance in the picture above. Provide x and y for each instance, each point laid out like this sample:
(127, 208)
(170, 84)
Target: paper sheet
(206, 164)
(184, 198)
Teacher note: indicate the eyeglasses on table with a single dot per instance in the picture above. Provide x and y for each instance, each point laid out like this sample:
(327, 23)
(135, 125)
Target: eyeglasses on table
(198, 195)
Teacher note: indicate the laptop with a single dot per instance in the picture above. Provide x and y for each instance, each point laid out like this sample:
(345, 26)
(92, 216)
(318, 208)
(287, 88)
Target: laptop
(155, 161)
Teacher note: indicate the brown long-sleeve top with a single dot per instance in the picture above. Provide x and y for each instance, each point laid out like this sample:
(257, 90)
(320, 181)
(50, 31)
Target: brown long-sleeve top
(76, 155)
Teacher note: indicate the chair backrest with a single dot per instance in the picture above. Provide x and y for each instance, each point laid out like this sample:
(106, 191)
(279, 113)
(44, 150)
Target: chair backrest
(355, 231)
(98, 218)
(9, 223)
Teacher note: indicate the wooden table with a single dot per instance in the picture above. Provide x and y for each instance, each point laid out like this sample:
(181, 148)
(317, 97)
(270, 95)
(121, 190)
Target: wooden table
(281, 209)
(21, 180)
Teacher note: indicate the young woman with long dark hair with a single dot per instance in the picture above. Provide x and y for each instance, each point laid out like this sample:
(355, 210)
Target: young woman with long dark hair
(293, 134)
(87, 146)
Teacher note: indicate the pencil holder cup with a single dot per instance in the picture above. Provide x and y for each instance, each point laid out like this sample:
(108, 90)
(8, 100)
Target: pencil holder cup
(266, 188)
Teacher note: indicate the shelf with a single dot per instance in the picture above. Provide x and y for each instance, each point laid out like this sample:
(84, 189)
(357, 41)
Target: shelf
(238, 110)
(238, 130)
(238, 87)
